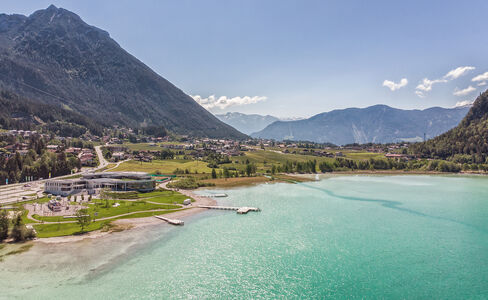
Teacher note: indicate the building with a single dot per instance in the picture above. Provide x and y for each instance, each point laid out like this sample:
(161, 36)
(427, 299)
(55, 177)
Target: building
(54, 205)
(94, 182)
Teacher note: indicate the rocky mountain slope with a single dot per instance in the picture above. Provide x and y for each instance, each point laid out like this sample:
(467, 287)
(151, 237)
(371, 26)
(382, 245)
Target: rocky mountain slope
(53, 57)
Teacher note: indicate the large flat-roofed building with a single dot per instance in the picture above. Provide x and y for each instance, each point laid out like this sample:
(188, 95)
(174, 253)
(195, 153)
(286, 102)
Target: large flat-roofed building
(93, 182)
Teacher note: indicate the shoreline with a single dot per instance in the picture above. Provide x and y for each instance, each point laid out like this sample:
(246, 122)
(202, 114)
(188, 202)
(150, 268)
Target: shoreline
(129, 224)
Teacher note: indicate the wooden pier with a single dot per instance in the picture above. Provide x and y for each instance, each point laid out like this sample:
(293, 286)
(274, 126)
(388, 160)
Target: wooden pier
(221, 195)
(239, 210)
(171, 221)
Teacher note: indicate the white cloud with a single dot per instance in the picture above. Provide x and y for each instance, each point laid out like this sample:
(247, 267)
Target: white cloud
(420, 94)
(464, 92)
(395, 86)
(458, 72)
(427, 84)
(481, 77)
(223, 101)
(463, 103)
(482, 83)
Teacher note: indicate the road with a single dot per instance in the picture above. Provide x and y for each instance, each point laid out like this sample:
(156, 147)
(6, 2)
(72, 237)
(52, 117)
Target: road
(102, 161)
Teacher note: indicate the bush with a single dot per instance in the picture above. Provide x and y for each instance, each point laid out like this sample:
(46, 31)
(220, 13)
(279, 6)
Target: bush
(4, 221)
(20, 232)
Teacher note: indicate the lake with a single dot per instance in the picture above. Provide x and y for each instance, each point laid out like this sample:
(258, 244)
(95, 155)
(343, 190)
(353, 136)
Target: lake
(342, 237)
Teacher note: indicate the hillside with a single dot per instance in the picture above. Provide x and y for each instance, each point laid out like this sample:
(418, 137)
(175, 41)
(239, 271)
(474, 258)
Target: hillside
(467, 142)
(246, 123)
(20, 113)
(377, 124)
(55, 58)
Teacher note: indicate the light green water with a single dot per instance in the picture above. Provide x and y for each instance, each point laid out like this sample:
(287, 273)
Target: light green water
(347, 237)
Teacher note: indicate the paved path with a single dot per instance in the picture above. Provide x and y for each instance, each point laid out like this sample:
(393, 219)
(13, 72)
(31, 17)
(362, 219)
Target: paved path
(109, 218)
(116, 165)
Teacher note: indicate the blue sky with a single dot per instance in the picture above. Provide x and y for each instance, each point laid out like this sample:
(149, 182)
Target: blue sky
(300, 58)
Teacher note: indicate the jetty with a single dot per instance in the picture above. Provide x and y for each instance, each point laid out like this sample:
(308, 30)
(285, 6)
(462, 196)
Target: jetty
(171, 221)
(239, 210)
(219, 195)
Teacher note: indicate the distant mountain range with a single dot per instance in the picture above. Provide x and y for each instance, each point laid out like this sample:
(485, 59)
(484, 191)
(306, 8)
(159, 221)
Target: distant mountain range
(377, 124)
(247, 123)
(54, 58)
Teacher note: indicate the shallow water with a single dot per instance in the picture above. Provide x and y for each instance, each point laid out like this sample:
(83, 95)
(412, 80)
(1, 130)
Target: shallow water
(341, 237)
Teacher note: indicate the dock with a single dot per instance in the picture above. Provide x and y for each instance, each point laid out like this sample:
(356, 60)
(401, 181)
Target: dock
(239, 210)
(221, 195)
(171, 221)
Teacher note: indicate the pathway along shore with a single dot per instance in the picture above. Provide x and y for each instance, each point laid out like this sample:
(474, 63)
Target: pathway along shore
(128, 224)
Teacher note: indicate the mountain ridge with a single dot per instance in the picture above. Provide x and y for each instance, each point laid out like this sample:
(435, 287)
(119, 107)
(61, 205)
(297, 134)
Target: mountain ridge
(54, 57)
(378, 124)
(465, 143)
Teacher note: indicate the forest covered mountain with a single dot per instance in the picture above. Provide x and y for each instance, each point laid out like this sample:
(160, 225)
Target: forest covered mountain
(52, 57)
(376, 124)
(20, 113)
(467, 142)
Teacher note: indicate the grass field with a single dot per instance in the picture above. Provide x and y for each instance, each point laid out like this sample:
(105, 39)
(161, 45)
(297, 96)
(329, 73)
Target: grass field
(147, 146)
(103, 212)
(164, 197)
(64, 229)
(235, 182)
(110, 165)
(52, 230)
(164, 166)
(263, 159)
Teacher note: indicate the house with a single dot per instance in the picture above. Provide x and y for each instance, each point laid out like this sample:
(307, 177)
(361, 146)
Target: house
(52, 148)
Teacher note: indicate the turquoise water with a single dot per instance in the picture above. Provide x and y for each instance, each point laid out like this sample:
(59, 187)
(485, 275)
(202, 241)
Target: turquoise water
(343, 237)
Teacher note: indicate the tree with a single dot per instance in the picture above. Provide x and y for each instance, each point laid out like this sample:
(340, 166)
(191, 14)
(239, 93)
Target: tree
(325, 167)
(83, 218)
(273, 169)
(214, 174)
(20, 233)
(226, 172)
(250, 169)
(3, 225)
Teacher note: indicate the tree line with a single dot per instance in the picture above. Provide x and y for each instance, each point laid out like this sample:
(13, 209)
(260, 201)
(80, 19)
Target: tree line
(37, 163)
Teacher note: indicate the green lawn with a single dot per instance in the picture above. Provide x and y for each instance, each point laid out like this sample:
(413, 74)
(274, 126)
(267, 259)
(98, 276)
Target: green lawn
(52, 230)
(146, 146)
(363, 155)
(161, 196)
(63, 229)
(104, 212)
(148, 214)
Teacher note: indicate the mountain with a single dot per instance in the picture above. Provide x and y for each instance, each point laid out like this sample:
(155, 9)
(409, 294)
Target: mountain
(19, 113)
(246, 123)
(55, 58)
(377, 124)
(467, 142)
